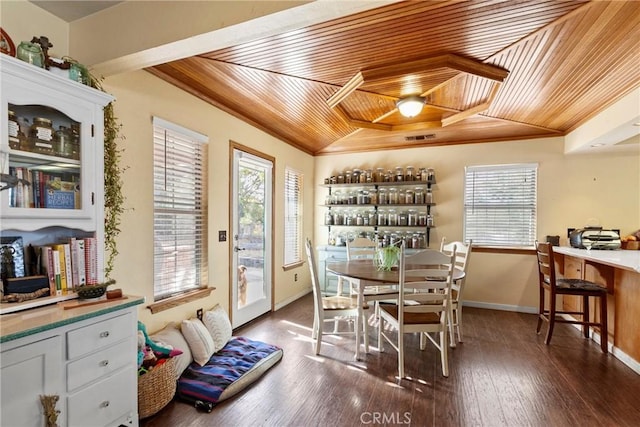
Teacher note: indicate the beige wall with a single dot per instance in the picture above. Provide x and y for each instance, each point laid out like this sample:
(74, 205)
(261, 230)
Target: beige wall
(573, 190)
(139, 97)
(23, 20)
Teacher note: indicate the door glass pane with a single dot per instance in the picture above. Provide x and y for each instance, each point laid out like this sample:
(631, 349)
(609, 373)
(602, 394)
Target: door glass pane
(251, 233)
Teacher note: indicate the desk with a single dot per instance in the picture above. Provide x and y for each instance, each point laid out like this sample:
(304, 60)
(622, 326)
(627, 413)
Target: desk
(363, 273)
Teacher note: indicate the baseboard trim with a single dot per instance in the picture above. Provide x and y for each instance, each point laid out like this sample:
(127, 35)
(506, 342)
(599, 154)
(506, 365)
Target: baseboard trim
(289, 300)
(501, 307)
(617, 353)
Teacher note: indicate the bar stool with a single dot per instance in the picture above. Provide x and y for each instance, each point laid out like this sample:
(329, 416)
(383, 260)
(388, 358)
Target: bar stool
(576, 287)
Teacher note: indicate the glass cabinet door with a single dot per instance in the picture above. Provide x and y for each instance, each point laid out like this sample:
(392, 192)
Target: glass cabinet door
(44, 159)
(47, 160)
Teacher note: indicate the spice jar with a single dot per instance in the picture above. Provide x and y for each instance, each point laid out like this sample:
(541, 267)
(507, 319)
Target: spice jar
(63, 145)
(409, 173)
(399, 175)
(41, 134)
(14, 131)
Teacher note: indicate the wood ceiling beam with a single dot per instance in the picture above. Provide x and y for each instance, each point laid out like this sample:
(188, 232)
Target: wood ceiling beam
(448, 60)
(354, 83)
(473, 110)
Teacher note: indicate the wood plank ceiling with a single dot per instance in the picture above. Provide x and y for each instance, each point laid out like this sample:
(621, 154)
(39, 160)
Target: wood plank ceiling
(566, 61)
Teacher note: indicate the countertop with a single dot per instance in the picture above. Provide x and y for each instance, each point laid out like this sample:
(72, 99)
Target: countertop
(620, 258)
(35, 320)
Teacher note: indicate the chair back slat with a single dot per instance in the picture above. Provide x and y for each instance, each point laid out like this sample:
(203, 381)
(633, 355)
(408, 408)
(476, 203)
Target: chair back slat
(361, 248)
(546, 265)
(431, 293)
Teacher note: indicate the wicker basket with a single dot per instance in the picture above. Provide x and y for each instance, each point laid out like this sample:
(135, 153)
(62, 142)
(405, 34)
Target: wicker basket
(156, 388)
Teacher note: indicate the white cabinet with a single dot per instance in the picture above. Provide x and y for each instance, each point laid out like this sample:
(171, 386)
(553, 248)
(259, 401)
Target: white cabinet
(51, 147)
(29, 371)
(90, 364)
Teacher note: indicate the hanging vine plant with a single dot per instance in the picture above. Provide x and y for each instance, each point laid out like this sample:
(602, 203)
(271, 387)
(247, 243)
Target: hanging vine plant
(113, 197)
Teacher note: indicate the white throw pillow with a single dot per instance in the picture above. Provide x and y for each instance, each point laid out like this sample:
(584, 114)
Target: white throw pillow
(199, 340)
(171, 335)
(217, 323)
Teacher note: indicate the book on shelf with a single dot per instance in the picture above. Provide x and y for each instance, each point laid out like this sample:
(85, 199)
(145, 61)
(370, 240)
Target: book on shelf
(78, 262)
(91, 260)
(46, 260)
(62, 267)
(56, 270)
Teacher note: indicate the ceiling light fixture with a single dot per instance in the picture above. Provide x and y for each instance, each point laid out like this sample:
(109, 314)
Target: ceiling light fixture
(410, 106)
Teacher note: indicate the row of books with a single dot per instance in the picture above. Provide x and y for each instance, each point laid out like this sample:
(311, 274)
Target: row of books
(69, 265)
(44, 189)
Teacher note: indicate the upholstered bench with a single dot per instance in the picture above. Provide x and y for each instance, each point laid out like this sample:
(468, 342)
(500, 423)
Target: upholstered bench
(214, 365)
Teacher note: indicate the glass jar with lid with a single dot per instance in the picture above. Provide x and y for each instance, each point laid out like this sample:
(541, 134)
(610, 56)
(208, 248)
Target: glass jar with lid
(382, 218)
(409, 197)
(75, 140)
(412, 217)
(403, 218)
(373, 196)
(41, 135)
(392, 195)
(392, 217)
(418, 196)
(328, 218)
(379, 175)
(410, 173)
(63, 146)
(348, 175)
(422, 218)
(14, 131)
(338, 218)
(428, 197)
(383, 196)
(399, 175)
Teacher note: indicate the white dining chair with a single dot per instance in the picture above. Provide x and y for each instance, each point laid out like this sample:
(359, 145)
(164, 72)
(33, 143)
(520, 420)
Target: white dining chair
(363, 248)
(335, 308)
(422, 305)
(463, 254)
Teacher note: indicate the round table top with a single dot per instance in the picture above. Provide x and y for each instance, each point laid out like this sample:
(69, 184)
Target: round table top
(364, 269)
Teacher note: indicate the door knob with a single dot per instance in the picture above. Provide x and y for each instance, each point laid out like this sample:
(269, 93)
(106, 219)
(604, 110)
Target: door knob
(237, 249)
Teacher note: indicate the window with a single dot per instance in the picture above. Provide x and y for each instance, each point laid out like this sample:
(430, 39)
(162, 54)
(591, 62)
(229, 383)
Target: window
(292, 217)
(179, 210)
(500, 205)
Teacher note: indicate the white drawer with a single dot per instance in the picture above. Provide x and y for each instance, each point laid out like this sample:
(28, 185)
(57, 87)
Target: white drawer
(100, 363)
(105, 401)
(91, 338)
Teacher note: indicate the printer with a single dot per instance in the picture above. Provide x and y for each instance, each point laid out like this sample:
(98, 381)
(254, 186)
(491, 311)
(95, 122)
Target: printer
(595, 237)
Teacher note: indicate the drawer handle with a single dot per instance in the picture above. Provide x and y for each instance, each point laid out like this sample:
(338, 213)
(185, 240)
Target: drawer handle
(104, 363)
(104, 404)
(104, 334)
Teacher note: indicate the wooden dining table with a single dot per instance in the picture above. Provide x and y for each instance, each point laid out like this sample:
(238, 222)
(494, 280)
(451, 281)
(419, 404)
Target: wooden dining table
(363, 273)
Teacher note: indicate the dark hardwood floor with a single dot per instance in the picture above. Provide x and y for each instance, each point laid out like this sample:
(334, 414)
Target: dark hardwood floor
(502, 375)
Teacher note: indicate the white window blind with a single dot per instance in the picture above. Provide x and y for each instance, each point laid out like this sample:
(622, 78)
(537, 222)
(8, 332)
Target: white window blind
(179, 215)
(293, 216)
(500, 205)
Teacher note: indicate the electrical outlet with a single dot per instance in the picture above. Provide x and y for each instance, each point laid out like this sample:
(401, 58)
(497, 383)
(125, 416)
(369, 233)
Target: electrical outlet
(295, 277)
(222, 235)
(199, 313)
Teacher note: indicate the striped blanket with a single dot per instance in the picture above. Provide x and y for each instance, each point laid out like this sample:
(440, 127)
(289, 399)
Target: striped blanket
(208, 382)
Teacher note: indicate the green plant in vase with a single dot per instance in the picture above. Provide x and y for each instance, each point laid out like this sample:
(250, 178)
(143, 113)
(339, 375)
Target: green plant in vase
(387, 257)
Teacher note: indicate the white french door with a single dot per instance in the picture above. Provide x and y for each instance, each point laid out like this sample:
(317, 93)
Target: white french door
(251, 286)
